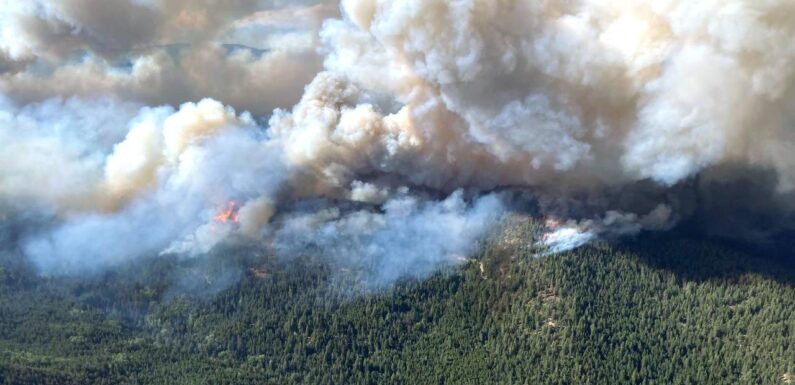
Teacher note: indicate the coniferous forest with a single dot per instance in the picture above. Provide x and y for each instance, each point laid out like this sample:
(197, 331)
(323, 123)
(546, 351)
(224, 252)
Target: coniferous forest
(397, 192)
(649, 311)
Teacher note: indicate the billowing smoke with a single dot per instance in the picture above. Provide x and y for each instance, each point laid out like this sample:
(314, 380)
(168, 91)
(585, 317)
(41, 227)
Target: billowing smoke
(391, 135)
(256, 55)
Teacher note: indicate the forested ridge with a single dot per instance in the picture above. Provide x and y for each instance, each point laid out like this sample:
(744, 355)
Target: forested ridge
(650, 311)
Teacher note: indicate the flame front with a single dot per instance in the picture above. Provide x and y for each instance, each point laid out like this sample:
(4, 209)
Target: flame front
(230, 214)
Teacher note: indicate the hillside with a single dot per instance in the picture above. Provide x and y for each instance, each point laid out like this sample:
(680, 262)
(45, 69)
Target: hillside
(652, 311)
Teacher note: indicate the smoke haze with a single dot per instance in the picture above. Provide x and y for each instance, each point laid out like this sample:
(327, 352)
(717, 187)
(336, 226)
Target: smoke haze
(387, 134)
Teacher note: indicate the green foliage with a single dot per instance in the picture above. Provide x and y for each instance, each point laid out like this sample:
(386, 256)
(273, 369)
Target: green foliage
(651, 312)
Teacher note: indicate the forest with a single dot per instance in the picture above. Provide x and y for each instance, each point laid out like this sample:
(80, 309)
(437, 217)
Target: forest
(653, 310)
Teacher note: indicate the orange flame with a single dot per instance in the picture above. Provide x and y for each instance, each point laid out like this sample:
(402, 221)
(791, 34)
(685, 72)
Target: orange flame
(230, 214)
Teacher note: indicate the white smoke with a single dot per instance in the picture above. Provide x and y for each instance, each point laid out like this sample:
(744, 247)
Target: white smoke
(411, 238)
(605, 110)
(565, 239)
(592, 91)
(160, 189)
(162, 185)
(569, 235)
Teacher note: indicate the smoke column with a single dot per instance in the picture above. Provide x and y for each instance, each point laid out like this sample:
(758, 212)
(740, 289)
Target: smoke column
(388, 133)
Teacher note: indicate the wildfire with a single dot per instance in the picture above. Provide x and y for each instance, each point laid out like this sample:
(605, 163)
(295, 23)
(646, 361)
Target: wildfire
(230, 214)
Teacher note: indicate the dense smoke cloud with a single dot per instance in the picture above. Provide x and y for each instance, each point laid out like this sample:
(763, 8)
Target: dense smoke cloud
(247, 53)
(395, 122)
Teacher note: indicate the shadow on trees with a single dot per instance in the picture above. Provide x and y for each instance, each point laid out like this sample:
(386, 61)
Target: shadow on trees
(699, 258)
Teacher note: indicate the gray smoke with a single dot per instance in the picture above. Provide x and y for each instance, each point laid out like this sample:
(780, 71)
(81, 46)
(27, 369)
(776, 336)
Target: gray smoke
(251, 54)
(378, 131)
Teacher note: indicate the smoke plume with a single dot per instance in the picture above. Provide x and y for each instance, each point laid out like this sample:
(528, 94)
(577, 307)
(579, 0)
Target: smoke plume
(389, 135)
